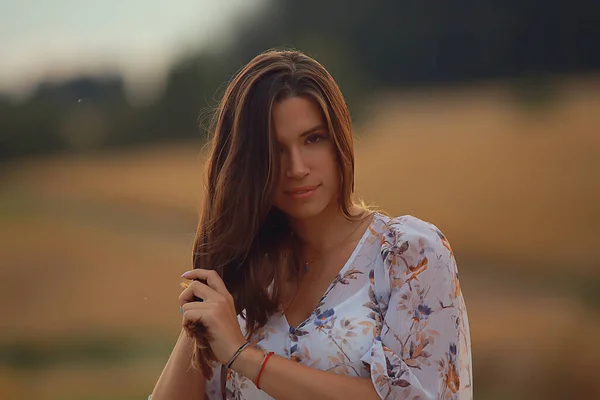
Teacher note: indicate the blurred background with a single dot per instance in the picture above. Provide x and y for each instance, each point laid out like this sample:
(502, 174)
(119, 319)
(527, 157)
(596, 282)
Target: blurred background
(480, 117)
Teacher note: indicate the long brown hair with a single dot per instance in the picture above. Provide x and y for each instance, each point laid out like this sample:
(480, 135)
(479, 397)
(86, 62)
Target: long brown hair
(240, 234)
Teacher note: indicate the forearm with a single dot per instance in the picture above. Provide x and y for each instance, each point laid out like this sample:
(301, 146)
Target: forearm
(178, 379)
(284, 379)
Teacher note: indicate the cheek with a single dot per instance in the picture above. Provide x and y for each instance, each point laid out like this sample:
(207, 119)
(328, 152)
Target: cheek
(279, 196)
(332, 169)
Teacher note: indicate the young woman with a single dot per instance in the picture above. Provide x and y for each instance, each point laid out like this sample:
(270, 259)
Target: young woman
(297, 291)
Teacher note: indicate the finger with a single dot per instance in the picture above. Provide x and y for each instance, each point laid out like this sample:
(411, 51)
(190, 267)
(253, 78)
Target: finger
(200, 290)
(211, 277)
(194, 315)
(202, 315)
(194, 305)
(185, 286)
(193, 294)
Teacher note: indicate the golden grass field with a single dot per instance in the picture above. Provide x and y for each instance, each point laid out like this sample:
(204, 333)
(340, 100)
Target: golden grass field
(93, 245)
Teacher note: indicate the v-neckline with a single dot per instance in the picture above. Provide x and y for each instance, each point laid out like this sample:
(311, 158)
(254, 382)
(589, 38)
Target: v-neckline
(334, 281)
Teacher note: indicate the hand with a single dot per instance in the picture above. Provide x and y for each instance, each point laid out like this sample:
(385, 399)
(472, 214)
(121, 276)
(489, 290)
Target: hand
(216, 312)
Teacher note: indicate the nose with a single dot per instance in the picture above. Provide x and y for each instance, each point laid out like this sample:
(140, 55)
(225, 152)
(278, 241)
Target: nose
(296, 167)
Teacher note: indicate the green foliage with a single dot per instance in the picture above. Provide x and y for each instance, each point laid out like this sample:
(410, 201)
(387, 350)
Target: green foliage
(367, 46)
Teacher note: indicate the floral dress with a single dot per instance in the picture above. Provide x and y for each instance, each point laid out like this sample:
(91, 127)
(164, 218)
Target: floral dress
(394, 313)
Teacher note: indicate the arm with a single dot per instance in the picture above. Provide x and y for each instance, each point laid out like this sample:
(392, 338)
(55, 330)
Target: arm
(424, 348)
(284, 379)
(178, 380)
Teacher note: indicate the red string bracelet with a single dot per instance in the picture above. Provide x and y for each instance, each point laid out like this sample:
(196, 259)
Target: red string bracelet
(262, 367)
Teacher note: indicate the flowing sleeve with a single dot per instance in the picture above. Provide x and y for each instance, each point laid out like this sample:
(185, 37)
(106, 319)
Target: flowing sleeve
(214, 386)
(423, 349)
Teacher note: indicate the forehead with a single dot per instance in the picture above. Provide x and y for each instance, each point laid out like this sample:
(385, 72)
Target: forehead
(294, 116)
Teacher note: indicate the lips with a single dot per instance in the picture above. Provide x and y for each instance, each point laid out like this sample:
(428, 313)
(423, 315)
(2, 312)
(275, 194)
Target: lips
(300, 190)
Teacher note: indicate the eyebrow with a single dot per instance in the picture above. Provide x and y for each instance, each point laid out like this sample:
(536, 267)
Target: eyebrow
(313, 130)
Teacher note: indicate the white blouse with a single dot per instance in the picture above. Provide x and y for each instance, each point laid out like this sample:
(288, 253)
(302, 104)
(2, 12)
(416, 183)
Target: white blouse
(394, 313)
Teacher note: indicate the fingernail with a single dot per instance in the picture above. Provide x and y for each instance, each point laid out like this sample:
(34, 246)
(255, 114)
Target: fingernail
(181, 310)
(185, 274)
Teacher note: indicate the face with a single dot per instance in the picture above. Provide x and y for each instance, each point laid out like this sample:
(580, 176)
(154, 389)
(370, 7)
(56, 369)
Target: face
(309, 180)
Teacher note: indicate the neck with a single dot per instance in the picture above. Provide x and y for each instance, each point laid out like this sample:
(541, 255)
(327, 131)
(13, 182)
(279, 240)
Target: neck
(323, 231)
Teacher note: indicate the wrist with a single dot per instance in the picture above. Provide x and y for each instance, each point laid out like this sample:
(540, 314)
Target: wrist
(248, 362)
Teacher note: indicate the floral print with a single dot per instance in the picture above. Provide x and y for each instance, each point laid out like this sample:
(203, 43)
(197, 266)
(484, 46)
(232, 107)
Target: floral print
(395, 314)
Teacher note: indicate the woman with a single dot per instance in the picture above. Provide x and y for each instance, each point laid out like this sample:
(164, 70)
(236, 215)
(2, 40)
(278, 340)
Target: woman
(305, 293)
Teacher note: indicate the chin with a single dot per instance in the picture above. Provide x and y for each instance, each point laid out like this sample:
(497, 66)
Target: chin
(305, 211)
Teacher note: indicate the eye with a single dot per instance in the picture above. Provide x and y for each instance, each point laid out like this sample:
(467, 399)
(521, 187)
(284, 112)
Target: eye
(315, 138)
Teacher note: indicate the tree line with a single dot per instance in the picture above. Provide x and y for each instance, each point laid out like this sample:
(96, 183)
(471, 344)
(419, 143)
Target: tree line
(366, 45)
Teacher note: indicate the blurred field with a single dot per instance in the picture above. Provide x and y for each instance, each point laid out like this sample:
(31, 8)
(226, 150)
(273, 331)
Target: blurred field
(93, 245)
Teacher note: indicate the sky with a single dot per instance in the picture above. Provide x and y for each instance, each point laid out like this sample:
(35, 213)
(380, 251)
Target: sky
(138, 38)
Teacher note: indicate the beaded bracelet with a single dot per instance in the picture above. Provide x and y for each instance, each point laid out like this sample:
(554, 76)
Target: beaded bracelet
(237, 353)
(262, 367)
